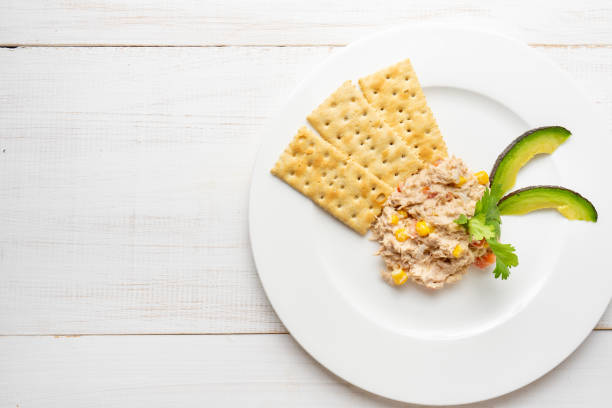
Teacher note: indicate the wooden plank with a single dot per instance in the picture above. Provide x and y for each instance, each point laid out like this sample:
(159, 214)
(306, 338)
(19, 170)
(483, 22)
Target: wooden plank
(246, 370)
(125, 175)
(125, 186)
(242, 22)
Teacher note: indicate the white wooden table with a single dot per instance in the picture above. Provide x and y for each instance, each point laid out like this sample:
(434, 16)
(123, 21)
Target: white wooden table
(127, 137)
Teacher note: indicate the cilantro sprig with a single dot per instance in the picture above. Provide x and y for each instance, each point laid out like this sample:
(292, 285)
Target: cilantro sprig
(486, 224)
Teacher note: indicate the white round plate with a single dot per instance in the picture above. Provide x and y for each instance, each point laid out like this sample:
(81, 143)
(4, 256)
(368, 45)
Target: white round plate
(480, 337)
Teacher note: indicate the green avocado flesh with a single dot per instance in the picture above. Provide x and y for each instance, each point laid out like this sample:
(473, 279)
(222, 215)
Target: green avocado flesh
(521, 150)
(570, 204)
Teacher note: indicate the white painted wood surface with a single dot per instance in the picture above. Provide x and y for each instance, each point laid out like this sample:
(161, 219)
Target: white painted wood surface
(124, 176)
(237, 371)
(279, 22)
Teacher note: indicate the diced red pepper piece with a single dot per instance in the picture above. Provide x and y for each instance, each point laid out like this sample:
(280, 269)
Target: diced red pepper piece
(485, 260)
(479, 244)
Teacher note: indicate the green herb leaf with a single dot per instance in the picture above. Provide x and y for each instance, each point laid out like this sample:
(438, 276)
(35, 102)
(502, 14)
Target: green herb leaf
(496, 192)
(501, 270)
(503, 252)
(486, 223)
(487, 205)
(492, 213)
(462, 219)
(479, 229)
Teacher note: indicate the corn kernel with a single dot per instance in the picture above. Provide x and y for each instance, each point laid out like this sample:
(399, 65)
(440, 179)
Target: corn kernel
(457, 251)
(402, 214)
(401, 235)
(422, 228)
(461, 181)
(482, 177)
(399, 276)
(393, 219)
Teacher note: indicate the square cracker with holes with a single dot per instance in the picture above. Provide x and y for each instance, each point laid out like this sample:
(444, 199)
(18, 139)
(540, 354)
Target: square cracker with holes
(347, 121)
(332, 180)
(396, 94)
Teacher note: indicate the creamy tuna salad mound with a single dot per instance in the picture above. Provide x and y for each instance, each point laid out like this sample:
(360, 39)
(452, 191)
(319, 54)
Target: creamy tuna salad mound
(416, 230)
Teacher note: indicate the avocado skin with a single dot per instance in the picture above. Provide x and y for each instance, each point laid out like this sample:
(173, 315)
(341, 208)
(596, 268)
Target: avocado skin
(518, 140)
(569, 198)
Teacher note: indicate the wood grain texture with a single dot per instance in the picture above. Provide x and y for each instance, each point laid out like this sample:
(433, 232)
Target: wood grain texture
(125, 175)
(277, 22)
(237, 371)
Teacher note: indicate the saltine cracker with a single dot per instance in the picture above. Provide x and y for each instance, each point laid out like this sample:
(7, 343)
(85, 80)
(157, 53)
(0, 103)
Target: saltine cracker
(346, 120)
(332, 180)
(397, 96)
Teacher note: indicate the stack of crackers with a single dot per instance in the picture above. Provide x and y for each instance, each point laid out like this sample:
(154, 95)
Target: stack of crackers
(369, 140)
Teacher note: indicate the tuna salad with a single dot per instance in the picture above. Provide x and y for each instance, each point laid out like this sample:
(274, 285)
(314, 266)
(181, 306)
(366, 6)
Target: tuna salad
(416, 230)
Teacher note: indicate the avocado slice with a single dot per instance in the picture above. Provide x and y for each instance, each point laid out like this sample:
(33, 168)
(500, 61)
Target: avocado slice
(521, 150)
(569, 203)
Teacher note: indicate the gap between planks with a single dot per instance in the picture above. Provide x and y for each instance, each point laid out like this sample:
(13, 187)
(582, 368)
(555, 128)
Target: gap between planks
(272, 333)
(119, 45)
